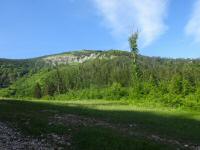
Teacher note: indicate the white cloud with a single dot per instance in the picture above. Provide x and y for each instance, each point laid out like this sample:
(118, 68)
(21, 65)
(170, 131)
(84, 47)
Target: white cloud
(124, 16)
(193, 26)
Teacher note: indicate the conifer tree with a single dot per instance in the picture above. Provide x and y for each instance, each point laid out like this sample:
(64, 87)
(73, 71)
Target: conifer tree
(37, 91)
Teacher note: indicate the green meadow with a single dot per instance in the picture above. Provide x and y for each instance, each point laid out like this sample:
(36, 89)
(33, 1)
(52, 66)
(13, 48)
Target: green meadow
(104, 124)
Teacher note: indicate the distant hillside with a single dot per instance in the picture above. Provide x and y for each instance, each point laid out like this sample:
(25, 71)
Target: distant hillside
(79, 73)
(11, 69)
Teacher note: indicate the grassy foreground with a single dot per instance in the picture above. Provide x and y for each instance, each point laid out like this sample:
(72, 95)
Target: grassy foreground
(107, 125)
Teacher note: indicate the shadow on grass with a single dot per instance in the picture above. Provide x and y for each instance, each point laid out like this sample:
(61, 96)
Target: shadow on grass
(37, 113)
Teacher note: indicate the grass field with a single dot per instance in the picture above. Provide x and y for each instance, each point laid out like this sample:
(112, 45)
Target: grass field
(103, 125)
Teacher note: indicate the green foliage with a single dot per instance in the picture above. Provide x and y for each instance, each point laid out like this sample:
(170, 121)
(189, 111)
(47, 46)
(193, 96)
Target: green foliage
(11, 70)
(172, 82)
(4, 92)
(176, 85)
(116, 90)
(133, 43)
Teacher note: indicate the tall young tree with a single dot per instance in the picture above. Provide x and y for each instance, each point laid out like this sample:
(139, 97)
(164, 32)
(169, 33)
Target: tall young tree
(134, 46)
(133, 39)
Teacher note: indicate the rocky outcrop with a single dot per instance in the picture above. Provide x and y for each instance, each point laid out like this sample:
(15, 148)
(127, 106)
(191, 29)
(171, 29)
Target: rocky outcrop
(70, 58)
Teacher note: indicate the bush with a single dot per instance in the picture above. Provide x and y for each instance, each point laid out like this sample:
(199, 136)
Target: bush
(192, 100)
(116, 92)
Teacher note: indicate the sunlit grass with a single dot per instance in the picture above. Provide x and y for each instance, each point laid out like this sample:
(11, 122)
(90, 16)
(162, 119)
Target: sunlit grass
(168, 122)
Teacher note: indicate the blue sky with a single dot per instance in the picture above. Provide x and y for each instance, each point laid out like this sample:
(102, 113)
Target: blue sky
(30, 28)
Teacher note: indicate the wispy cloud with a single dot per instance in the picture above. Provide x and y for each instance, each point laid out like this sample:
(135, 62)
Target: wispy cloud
(193, 26)
(124, 16)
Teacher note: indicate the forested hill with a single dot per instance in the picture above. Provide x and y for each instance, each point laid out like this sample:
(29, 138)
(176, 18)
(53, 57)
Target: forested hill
(106, 70)
(13, 69)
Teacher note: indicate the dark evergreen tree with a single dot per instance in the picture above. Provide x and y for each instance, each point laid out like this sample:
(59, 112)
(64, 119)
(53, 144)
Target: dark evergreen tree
(37, 91)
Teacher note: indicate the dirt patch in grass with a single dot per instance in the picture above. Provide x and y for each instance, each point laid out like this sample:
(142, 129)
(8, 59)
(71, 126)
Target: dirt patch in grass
(11, 139)
(126, 129)
(76, 121)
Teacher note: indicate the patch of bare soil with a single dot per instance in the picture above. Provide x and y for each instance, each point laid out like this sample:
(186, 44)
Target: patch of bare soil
(77, 121)
(131, 129)
(10, 139)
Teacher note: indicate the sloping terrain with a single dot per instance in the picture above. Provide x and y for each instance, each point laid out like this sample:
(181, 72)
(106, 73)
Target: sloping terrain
(12, 70)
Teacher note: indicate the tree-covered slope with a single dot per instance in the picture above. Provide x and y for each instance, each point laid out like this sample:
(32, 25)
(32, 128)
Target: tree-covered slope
(102, 74)
(11, 70)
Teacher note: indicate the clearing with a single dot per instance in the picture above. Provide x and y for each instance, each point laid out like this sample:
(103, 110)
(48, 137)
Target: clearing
(95, 125)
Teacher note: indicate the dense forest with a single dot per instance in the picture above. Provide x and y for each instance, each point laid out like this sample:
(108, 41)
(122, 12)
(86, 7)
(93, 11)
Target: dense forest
(103, 75)
(11, 70)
